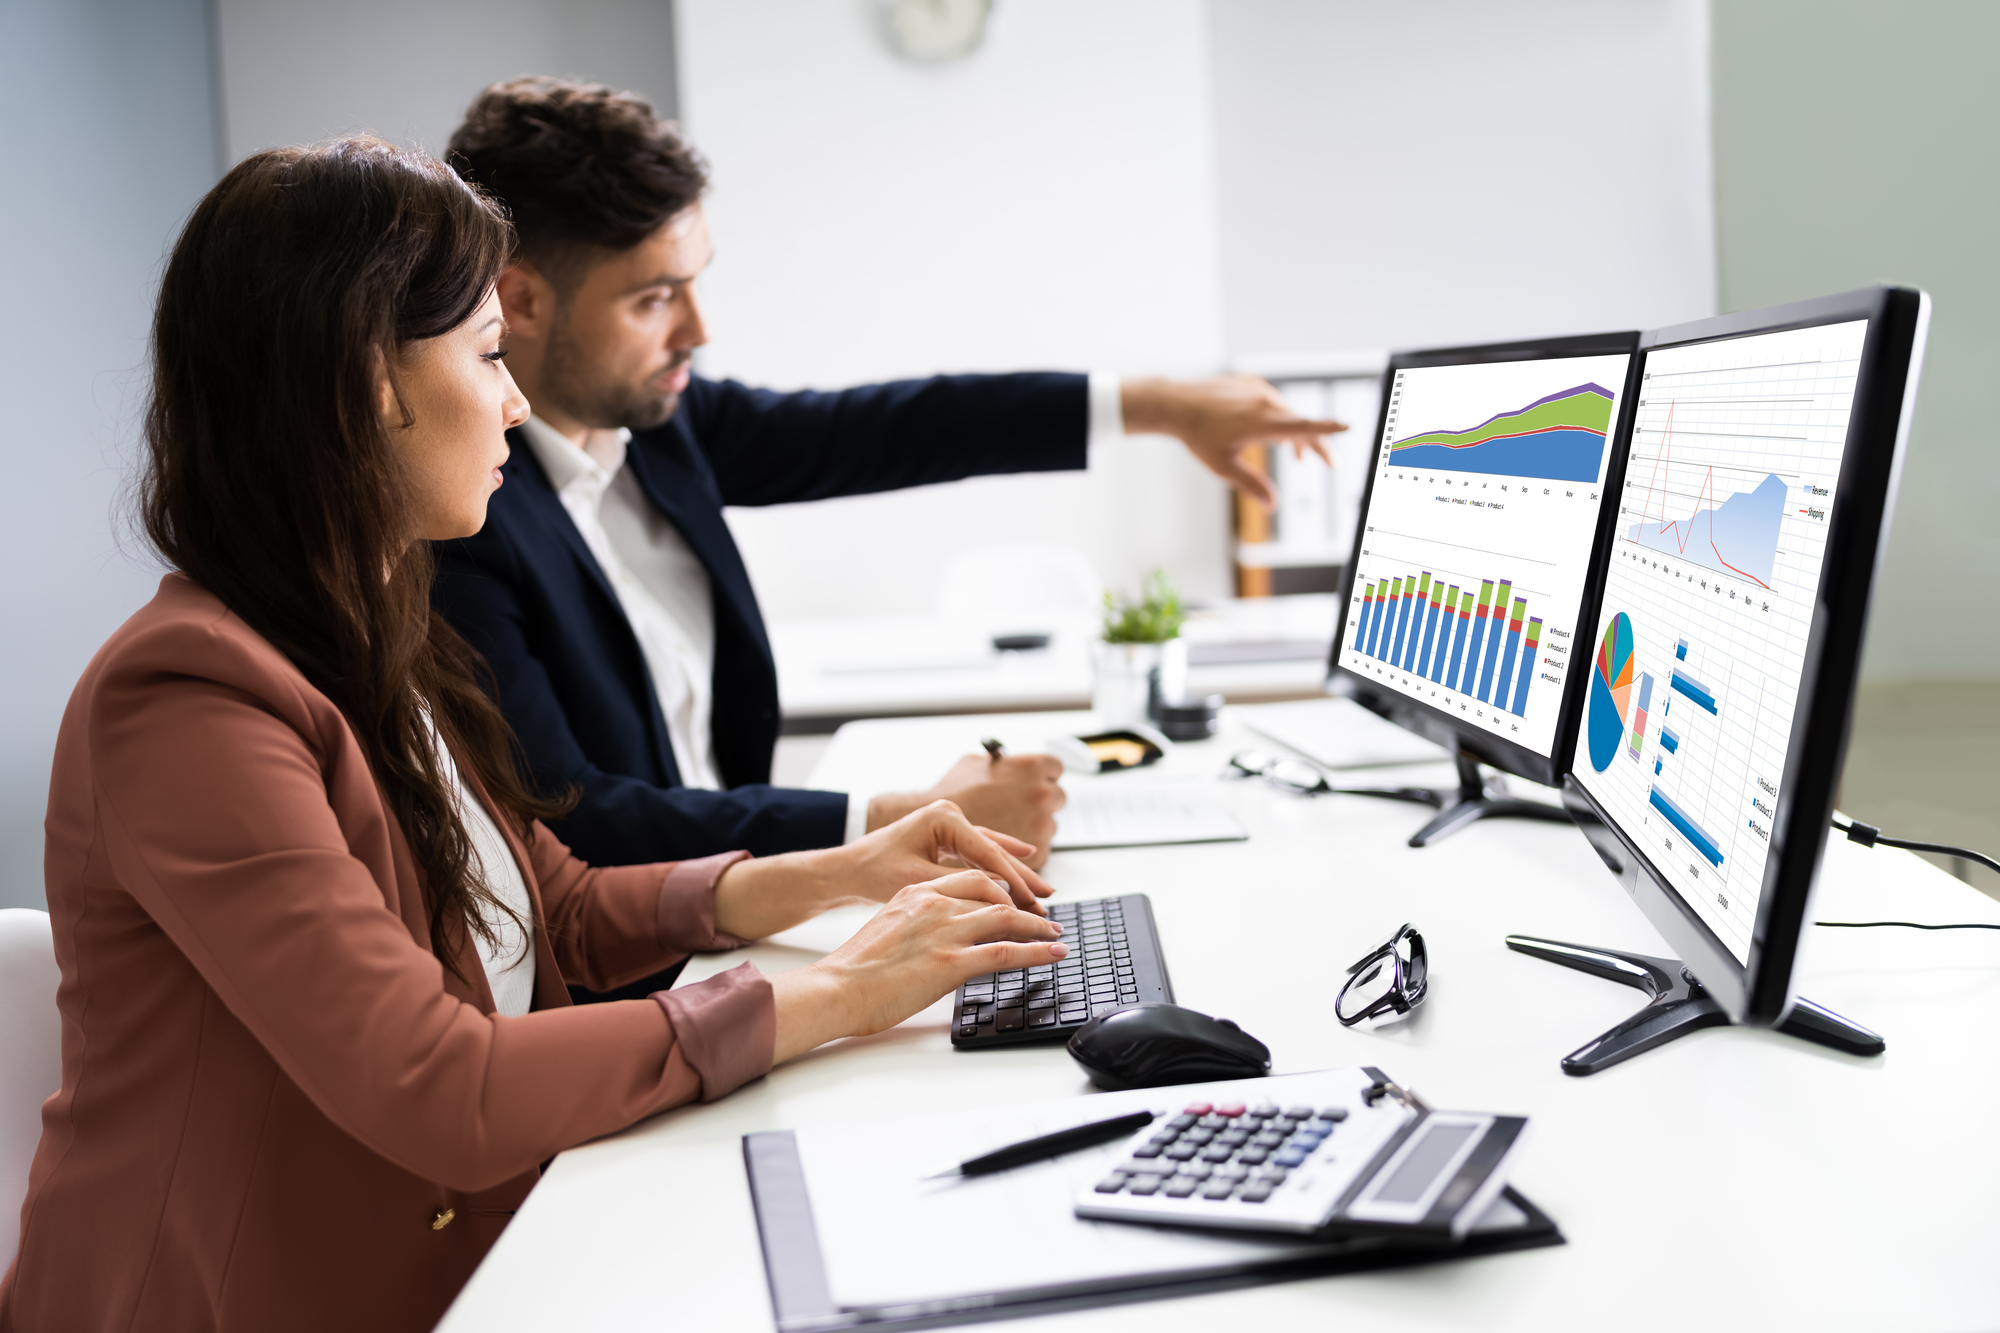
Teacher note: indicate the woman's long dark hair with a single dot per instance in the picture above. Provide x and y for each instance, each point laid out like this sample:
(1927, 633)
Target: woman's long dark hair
(273, 482)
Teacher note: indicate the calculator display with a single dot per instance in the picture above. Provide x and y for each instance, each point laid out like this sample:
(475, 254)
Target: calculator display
(1428, 1158)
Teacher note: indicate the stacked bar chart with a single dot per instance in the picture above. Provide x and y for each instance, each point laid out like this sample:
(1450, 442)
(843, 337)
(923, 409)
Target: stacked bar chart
(1639, 720)
(1431, 627)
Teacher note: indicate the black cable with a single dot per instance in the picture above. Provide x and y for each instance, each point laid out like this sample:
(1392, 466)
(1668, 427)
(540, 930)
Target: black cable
(1868, 836)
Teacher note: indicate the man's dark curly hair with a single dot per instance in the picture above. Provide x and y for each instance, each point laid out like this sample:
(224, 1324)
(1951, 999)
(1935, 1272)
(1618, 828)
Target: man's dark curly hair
(580, 168)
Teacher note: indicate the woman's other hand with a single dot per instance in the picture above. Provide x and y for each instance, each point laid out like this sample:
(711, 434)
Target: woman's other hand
(925, 941)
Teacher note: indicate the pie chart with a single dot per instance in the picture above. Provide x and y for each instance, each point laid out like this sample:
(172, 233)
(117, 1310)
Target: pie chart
(1610, 691)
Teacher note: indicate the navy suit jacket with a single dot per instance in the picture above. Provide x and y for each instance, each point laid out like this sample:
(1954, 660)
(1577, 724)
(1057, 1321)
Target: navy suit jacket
(571, 678)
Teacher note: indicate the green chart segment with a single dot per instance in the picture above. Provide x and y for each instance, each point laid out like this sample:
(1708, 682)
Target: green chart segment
(1474, 644)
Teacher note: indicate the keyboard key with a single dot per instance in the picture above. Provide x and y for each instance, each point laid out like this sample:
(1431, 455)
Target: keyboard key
(1100, 1010)
(1219, 1189)
(1290, 1157)
(1112, 1183)
(1334, 1113)
(1069, 1016)
(1009, 1020)
(1041, 1002)
(1180, 1187)
(1007, 1002)
(1182, 1152)
(1014, 975)
(1255, 1192)
(986, 1012)
(1145, 1185)
(968, 1010)
(1041, 1018)
(969, 1030)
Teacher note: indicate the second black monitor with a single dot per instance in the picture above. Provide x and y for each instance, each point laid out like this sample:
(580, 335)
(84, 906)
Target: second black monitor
(1476, 551)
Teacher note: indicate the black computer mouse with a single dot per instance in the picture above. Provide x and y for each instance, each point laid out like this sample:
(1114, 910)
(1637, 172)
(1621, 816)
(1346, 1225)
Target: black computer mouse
(1152, 1045)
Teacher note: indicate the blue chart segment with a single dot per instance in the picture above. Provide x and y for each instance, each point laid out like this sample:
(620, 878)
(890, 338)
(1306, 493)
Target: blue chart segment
(1690, 830)
(1436, 630)
(1610, 691)
(1694, 689)
(1559, 437)
(1739, 536)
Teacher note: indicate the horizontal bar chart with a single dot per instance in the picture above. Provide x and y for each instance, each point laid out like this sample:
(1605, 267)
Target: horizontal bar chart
(1690, 830)
(1694, 689)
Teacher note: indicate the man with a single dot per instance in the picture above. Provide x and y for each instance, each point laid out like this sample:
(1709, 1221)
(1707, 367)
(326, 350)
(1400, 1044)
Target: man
(606, 590)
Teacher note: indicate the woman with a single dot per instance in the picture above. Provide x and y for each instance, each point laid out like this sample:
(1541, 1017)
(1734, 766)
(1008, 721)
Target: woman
(313, 939)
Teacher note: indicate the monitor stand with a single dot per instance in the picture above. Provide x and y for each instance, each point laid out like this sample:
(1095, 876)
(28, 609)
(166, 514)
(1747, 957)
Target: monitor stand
(1680, 1005)
(1478, 797)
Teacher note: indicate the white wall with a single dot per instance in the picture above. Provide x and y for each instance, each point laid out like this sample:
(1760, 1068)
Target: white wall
(295, 71)
(111, 140)
(1046, 203)
(1436, 171)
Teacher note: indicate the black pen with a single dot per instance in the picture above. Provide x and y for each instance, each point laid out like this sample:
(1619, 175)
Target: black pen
(1048, 1145)
(994, 749)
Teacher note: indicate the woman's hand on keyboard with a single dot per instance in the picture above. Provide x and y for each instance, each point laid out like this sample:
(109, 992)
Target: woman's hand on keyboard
(924, 942)
(773, 893)
(927, 843)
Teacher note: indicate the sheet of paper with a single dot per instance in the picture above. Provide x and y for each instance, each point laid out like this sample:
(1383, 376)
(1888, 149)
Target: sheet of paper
(1337, 733)
(889, 1237)
(1123, 812)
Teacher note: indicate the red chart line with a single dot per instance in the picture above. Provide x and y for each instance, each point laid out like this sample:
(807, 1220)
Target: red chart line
(1665, 457)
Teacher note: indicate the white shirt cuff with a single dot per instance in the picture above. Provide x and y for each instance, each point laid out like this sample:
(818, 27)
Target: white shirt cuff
(1107, 408)
(857, 815)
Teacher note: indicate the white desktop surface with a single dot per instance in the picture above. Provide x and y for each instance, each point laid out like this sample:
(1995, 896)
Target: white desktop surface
(1731, 1180)
(878, 666)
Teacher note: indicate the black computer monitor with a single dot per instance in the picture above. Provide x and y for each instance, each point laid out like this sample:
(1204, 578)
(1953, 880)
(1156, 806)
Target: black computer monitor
(1475, 558)
(1721, 664)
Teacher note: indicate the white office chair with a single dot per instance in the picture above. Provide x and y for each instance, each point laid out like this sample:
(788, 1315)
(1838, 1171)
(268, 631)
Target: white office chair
(30, 1056)
(1008, 584)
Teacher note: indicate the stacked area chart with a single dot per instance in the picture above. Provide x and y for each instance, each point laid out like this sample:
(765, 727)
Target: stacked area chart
(1477, 534)
(1713, 580)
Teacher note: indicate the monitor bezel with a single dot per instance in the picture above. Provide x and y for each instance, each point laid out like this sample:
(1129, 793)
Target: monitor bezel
(1759, 992)
(1427, 720)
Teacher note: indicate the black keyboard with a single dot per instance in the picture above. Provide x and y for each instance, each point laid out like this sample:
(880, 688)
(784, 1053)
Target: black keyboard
(1114, 963)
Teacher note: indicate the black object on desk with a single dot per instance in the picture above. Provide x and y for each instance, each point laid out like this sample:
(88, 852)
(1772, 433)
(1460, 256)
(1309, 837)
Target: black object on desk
(1154, 1045)
(1050, 1145)
(1114, 963)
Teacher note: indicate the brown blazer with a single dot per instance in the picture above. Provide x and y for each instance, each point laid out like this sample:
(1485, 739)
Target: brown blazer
(278, 1108)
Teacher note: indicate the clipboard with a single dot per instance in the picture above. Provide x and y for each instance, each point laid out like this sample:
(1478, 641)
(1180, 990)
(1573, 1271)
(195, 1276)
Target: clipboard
(853, 1237)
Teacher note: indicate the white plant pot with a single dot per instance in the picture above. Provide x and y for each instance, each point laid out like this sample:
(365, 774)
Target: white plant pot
(1131, 675)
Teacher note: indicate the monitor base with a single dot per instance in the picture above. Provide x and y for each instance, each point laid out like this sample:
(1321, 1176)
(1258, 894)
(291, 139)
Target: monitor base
(1478, 797)
(1680, 1005)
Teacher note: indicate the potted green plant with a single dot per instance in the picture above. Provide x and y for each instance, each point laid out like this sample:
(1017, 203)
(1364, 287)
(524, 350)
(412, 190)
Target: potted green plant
(1142, 657)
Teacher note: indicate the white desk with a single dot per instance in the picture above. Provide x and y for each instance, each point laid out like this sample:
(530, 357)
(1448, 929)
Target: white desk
(1734, 1179)
(887, 666)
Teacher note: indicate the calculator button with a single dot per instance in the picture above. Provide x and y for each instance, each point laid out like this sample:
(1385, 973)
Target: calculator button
(1235, 1138)
(1147, 1150)
(1253, 1157)
(1182, 1152)
(1267, 1139)
(1196, 1170)
(1197, 1108)
(1299, 1112)
(1290, 1157)
(1145, 1184)
(1009, 1020)
(1219, 1189)
(1274, 1175)
(1198, 1135)
(1229, 1109)
(1263, 1110)
(1186, 1118)
(1232, 1172)
(1180, 1187)
(1220, 1152)
(1283, 1125)
(1334, 1113)
(1112, 1183)
(1213, 1122)
(1256, 1192)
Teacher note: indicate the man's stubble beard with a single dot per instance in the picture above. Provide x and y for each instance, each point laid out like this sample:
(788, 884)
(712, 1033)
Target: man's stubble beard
(573, 382)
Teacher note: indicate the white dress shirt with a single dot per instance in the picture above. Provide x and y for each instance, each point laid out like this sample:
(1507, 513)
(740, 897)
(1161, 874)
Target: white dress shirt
(663, 587)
